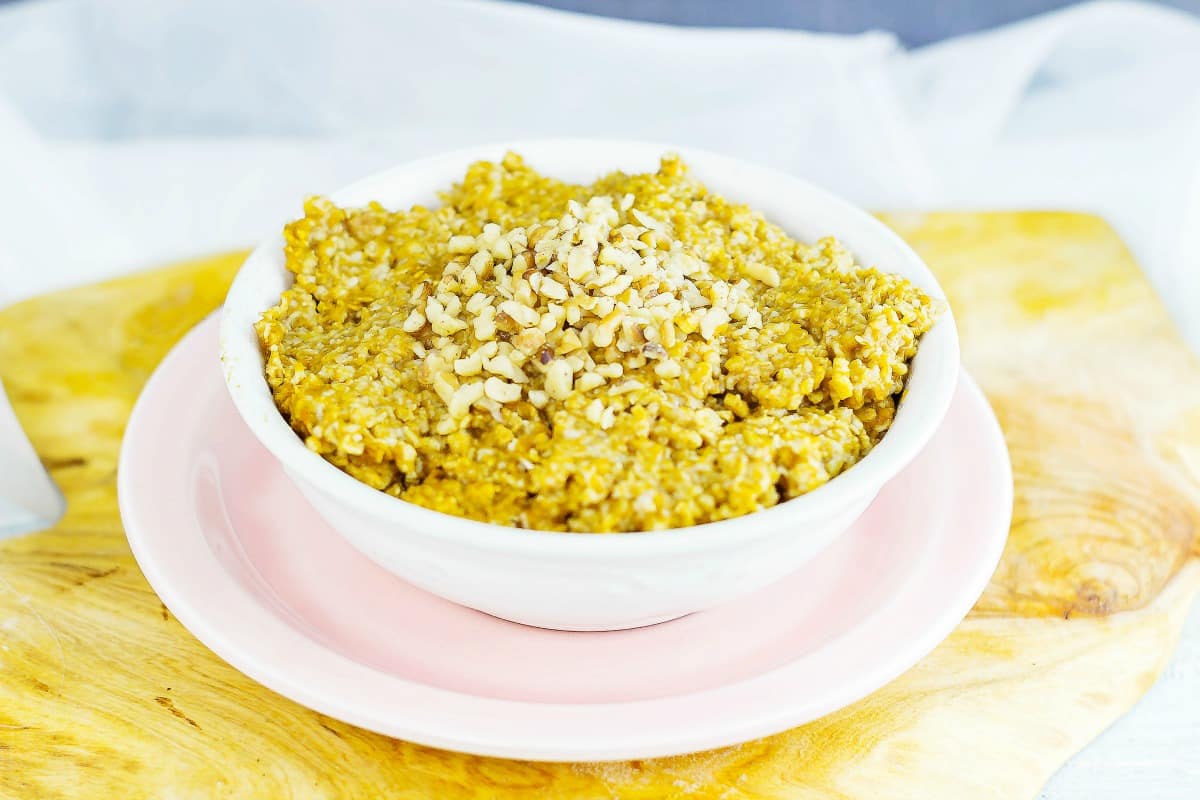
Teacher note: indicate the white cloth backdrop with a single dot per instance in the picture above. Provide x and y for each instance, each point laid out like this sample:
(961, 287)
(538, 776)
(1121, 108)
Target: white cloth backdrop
(137, 131)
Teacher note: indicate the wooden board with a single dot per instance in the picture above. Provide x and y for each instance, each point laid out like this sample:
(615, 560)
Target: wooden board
(104, 694)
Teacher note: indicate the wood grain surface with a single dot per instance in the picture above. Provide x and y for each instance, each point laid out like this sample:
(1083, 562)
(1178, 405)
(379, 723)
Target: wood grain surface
(104, 694)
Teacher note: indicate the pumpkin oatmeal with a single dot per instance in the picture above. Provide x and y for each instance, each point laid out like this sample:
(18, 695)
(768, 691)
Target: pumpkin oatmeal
(635, 354)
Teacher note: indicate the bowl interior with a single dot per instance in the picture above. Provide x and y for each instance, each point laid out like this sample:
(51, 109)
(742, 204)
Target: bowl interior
(803, 210)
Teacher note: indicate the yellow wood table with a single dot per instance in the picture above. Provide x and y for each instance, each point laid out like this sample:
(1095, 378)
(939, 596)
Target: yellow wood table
(104, 694)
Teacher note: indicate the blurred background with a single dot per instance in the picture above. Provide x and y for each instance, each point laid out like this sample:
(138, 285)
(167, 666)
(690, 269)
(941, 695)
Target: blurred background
(916, 22)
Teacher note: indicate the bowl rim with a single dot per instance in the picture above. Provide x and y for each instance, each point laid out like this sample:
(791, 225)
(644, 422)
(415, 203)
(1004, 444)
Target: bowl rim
(932, 384)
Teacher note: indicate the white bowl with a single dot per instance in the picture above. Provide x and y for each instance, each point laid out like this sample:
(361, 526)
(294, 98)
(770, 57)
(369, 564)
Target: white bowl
(577, 581)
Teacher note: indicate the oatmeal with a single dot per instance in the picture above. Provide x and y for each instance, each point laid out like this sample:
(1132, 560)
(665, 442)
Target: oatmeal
(635, 354)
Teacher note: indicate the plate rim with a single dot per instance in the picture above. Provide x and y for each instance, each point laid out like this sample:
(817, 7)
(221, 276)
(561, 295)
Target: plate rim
(441, 721)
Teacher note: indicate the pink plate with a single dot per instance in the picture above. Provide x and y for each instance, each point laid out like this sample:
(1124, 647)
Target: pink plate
(248, 567)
